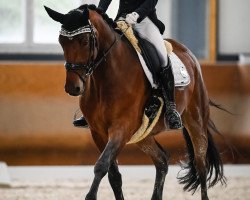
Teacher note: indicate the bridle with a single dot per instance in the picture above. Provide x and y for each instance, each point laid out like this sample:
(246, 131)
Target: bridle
(92, 62)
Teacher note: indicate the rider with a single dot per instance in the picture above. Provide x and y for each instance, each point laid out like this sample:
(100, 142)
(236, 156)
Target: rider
(141, 15)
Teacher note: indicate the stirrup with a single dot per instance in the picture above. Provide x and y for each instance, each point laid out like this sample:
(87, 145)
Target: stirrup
(174, 120)
(80, 123)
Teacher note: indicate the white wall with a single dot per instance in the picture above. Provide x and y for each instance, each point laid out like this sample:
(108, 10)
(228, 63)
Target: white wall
(164, 12)
(90, 1)
(113, 8)
(234, 26)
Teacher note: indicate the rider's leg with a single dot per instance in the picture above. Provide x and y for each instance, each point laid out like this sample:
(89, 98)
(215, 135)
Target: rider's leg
(147, 30)
(171, 114)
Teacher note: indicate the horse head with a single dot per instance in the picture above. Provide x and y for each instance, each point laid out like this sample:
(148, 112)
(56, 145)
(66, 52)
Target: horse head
(78, 38)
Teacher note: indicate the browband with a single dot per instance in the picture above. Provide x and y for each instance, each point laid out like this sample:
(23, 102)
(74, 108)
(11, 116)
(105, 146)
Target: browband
(84, 29)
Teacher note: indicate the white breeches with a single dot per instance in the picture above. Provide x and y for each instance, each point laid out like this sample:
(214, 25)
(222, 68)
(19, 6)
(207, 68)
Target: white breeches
(149, 31)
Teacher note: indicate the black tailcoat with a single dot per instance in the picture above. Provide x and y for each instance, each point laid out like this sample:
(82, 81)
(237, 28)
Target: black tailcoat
(145, 8)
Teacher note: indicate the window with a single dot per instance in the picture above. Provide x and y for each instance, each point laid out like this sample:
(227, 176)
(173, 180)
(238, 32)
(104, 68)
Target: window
(32, 31)
(28, 29)
(12, 22)
(233, 27)
(209, 28)
(190, 25)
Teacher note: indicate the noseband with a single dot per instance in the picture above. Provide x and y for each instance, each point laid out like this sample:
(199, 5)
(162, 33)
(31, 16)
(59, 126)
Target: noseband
(92, 62)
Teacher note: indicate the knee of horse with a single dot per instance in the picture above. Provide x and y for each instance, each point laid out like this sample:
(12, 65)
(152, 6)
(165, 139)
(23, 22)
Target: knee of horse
(115, 179)
(101, 168)
(114, 174)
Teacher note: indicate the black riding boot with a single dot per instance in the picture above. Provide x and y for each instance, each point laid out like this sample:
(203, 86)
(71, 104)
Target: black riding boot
(167, 81)
(80, 122)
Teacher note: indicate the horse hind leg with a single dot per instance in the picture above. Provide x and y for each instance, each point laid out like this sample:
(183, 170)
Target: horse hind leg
(204, 159)
(197, 174)
(160, 159)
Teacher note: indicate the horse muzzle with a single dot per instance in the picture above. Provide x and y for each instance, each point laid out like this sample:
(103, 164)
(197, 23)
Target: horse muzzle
(74, 89)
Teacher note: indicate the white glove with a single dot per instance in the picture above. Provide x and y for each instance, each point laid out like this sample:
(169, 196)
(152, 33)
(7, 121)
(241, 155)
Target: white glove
(132, 18)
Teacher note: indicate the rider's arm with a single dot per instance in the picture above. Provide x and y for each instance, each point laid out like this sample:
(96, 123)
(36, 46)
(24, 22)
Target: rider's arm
(146, 8)
(104, 4)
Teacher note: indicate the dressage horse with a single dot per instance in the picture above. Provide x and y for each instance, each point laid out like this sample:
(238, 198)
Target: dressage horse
(103, 69)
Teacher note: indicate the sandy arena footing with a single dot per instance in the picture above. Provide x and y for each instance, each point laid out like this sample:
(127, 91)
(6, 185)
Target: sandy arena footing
(64, 183)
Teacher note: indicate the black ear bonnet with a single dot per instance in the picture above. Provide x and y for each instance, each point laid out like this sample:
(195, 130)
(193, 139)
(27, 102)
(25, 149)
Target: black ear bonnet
(76, 19)
(73, 20)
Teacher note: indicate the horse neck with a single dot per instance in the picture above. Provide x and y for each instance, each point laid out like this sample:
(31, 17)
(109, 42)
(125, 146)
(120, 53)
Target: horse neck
(121, 71)
(105, 34)
(107, 39)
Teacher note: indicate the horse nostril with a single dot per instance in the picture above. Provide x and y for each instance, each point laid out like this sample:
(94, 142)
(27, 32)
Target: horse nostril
(78, 89)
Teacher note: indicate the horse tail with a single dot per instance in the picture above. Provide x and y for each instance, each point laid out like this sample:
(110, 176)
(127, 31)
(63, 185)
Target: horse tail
(212, 103)
(214, 160)
(214, 165)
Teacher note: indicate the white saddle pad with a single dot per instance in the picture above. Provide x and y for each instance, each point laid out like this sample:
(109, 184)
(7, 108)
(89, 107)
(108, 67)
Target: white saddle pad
(181, 76)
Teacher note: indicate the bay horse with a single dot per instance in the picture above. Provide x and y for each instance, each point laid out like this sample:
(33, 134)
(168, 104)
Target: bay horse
(103, 69)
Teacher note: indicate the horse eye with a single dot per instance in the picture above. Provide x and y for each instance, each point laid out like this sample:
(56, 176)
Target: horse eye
(64, 40)
(83, 41)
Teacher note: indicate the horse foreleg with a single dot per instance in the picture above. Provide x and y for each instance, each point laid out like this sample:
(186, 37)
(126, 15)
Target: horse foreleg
(101, 168)
(115, 180)
(160, 159)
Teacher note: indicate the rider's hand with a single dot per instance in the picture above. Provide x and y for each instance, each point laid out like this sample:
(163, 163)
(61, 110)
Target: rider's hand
(132, 18)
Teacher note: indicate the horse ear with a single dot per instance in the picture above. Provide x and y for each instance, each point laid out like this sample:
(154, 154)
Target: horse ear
(55, 15)
(85, 14)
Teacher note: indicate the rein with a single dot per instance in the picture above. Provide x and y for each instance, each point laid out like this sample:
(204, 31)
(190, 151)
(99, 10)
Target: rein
(92, 63)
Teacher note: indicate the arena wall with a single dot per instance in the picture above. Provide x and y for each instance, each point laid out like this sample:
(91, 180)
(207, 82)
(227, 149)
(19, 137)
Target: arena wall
(36, 117)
